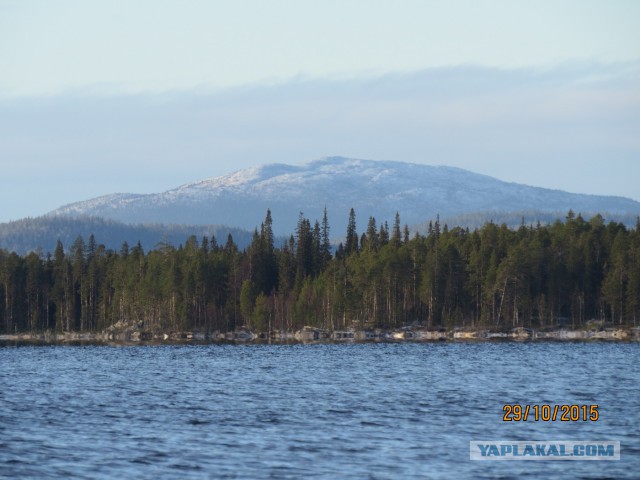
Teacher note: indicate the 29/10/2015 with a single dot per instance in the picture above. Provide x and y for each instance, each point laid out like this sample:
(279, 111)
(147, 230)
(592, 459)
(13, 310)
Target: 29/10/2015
(550, 413)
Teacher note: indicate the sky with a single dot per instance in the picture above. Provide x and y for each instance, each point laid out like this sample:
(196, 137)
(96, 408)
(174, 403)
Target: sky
(98, 97)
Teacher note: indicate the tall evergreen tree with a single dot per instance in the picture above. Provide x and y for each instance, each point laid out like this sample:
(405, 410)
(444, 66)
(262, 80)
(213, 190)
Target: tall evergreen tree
(351, 244)
(325, 244)
(395, 237)
(304, 249)
(370, 239)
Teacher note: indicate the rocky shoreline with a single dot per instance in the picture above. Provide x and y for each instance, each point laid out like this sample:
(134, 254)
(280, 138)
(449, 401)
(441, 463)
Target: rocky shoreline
(122, 333)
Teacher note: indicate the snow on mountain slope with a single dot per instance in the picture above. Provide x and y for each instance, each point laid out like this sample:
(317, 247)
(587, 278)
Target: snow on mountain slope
(372, 188)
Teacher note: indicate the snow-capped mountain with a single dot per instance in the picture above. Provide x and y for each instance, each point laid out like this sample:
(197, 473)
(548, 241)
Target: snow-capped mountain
(372, 188)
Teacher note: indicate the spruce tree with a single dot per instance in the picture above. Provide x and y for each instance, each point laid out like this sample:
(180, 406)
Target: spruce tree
(395, 237)
(325, 246)
(351, 244)
(370, 240)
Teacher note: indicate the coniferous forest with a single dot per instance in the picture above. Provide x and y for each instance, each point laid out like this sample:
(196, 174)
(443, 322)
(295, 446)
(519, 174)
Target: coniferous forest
(539, 276)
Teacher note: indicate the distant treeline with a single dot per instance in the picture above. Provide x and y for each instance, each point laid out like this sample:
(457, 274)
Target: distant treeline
(41, 233)
(534, 276)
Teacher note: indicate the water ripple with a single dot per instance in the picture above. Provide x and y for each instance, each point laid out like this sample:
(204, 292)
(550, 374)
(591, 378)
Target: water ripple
(306, 411)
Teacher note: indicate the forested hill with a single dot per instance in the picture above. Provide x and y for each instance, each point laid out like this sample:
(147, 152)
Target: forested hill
(42, 233)
(533, 276)
(374, 188)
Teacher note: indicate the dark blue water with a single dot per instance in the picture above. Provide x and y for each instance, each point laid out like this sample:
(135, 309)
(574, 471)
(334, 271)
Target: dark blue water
(394, 410)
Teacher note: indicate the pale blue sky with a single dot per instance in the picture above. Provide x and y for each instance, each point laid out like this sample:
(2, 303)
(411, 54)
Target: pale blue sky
(105, 96)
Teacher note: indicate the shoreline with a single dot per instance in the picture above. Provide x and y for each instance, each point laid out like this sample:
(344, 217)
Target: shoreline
(115, 335)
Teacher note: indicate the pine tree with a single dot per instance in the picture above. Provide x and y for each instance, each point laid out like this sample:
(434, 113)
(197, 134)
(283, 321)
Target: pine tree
(383, 236)
(351, 245)
(267, 233)
(304, 249)
(263, 263)
(316, 250)
(62, 288)
(230, 246)
(395, 236)
(91, 247)
(325, 245)
(204, 245)
(124, 250)
(370, 240)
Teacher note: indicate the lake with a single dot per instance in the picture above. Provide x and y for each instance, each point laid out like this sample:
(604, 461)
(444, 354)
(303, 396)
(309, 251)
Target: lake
(355, 410)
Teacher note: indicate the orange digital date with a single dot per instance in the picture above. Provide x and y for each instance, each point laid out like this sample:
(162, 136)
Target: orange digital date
(550, 413)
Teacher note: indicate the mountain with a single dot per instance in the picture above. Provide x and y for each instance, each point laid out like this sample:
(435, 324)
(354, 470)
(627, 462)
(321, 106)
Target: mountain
(372, 188)
(42, 233)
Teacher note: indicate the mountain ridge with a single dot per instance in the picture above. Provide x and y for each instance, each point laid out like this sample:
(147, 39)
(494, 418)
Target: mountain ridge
(373, 188)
